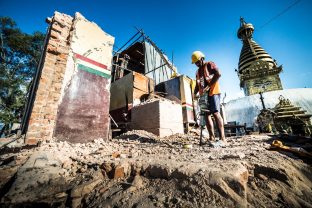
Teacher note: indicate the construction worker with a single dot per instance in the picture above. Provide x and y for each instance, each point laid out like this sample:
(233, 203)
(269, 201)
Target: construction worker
(207, 77)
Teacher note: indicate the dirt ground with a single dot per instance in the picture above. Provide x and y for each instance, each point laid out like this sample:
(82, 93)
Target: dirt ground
(138, 169)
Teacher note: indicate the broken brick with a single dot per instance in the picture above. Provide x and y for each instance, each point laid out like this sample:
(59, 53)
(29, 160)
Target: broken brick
(119, 172)
(115, 154)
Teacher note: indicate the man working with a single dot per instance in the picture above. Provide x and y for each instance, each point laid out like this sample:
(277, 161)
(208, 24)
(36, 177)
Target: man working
(207, 77)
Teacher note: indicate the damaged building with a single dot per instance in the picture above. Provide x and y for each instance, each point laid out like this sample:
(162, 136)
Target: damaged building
(141, 72)
(82, 89)
(70, 95)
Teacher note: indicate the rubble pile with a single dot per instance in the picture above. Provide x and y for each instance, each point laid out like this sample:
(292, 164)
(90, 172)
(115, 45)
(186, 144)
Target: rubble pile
(139, 169)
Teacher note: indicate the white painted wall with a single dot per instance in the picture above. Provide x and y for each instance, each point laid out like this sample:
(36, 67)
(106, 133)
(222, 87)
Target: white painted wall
(246, 109)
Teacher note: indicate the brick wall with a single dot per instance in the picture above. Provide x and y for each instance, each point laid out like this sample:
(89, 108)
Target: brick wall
(43, 115)
(72, 99)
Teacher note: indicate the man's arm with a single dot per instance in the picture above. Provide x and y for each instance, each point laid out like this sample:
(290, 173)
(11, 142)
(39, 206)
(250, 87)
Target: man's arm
(216, 73)
(196, 89)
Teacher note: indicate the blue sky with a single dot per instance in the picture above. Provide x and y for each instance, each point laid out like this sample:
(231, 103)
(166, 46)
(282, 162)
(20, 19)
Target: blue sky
(184, 26)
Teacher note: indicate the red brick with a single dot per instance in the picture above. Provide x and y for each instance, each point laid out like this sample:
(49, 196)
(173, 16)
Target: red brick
(61, 62)
(48, 70)
(52, 49)
(50, 58)
(31, 141)
(36, 115)
(62, 20)
(57, 89)
(63, 43)
(56, 27)
(55, 34)
(50, 116)
(119, 172)
(45, 122)
(43, 80)
(54, 42)
(61, 49)
(63, 56)
(65, 34)
(49, 64)
(40, 99)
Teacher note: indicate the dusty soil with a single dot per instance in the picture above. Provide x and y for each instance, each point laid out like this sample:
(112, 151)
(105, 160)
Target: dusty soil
(139, 169)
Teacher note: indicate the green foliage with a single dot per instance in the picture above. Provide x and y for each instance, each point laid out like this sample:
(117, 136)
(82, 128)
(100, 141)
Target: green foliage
(19, 57)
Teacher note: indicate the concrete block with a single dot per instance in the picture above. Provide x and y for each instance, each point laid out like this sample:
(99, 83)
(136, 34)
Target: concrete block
(161, 117)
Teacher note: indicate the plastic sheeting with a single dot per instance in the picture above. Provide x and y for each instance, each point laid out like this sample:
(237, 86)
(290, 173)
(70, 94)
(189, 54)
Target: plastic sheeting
(155, 67)
(246, 109)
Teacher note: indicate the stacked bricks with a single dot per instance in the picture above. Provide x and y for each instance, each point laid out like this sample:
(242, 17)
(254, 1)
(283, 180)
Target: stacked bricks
(43, 116)
(161, 117)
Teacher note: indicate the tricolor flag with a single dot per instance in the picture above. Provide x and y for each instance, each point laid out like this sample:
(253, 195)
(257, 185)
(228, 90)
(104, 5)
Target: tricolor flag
(92, 66)
(187, 106)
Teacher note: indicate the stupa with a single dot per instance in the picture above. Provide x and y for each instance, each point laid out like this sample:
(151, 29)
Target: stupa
(257, 71)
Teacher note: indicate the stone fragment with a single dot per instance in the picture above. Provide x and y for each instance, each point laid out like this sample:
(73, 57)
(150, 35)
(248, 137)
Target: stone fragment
(238, 155)
(134, 154)
(6, 174)
(253, 185)
(137, 183)
(115, 154)
(61, 195)
(98, 175)
(262, 177)
(85, 188)
(76, 202)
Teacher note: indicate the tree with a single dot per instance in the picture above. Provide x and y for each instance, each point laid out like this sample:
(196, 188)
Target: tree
(19, 57)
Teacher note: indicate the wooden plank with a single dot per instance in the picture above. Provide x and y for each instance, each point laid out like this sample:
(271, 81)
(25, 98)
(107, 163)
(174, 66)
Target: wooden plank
(137, 94)
(142, 82)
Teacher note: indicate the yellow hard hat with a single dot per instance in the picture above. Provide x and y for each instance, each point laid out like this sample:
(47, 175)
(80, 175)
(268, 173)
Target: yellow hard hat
(196, 56)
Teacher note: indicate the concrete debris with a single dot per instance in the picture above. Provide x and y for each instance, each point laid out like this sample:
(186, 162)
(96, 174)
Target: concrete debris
(157, 112)
(84, 189)
(139, 169)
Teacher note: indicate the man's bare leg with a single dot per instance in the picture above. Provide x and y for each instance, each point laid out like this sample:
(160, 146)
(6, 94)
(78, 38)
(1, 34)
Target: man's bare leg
(220, 124)
(210, 128)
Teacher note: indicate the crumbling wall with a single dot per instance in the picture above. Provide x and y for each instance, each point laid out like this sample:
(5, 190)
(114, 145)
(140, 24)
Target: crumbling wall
(161, 117)
(84, 107)
(43, 115)
(72, 100)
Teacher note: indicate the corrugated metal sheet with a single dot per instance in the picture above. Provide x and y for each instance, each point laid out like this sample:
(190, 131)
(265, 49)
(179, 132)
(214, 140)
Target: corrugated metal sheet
(155, 67)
